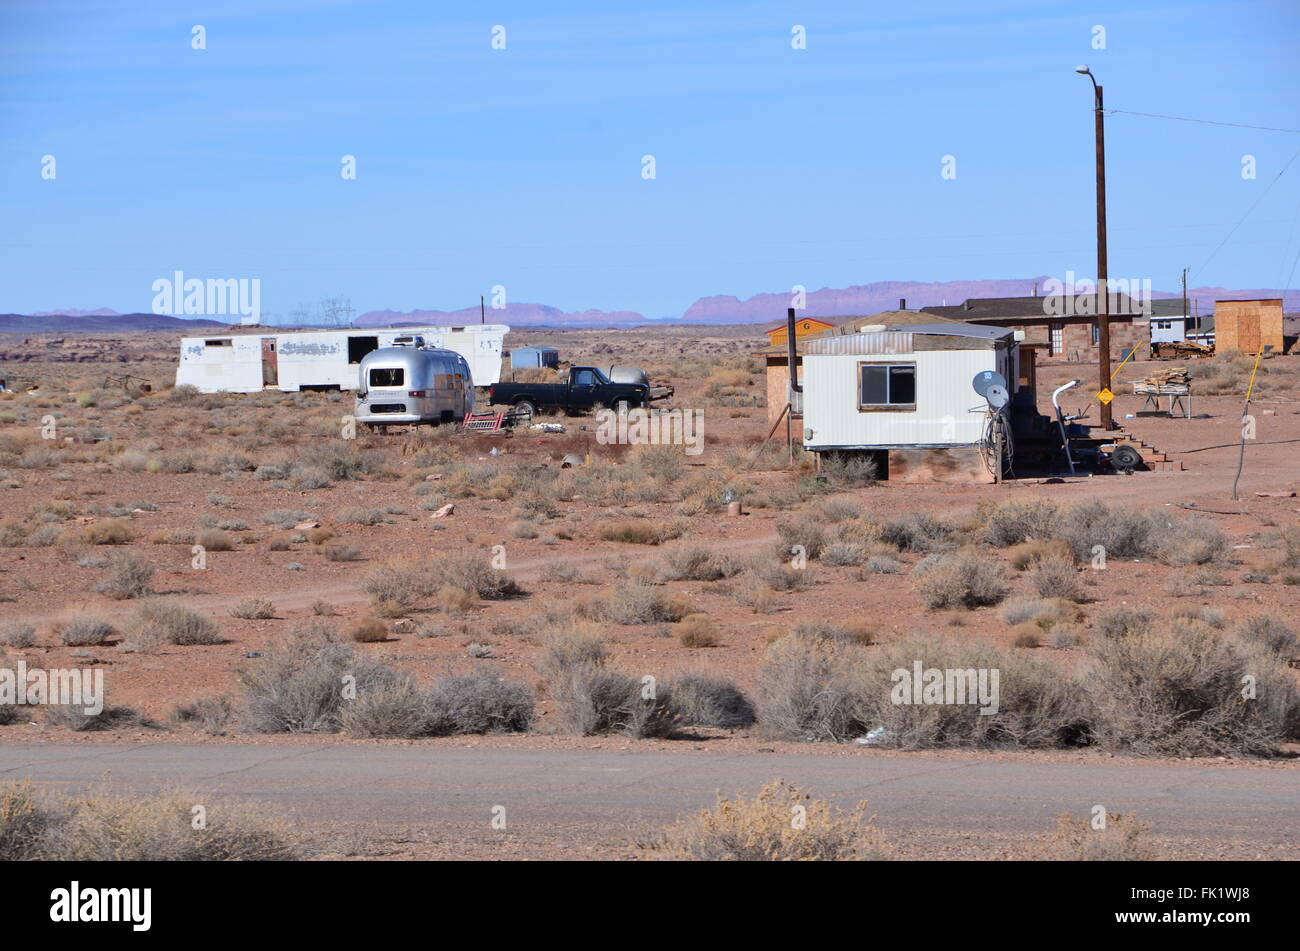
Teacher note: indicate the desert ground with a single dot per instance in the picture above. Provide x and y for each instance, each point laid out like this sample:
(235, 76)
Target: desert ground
(633, 562)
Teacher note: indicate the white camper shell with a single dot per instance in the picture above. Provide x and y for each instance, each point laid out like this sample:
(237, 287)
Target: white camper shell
(411, 383)
(322, 359)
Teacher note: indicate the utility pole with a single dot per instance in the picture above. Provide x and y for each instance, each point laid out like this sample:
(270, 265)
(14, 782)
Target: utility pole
(1185, 314)
(1103, 290)
(481, 316)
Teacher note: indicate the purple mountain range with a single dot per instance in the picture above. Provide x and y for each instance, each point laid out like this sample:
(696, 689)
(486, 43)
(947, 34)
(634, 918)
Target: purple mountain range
(766, 308)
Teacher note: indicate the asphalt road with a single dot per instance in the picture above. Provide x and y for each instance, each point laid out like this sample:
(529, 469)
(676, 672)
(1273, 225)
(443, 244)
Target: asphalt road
(569, 797)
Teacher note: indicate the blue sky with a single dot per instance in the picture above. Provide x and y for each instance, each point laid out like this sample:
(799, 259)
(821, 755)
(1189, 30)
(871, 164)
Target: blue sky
(522, 167)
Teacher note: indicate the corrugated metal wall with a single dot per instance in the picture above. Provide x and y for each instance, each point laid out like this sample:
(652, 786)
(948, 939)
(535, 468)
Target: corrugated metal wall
(948, 410)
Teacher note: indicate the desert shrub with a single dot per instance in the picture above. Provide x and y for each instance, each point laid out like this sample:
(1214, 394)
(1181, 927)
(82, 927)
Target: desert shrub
(128, 577)
(635, 603)
(342, 553)
(76, 719)
(1123, 839)
(696, 563)
(591, 699)
(781, 577)
(1029, 554)
(760, 830)
(25, 819)
(1027, 635)
(882, 565)
(255, 609)
(800, 533)
(1268, 632)
(1124, 621)
(84, 631)
(701, 699)
(1123, 533)
(849, 470)
(917, 531)
(322, 609)
(17, 634)
(1018, 522)
(173, 623)
(359, 516)
(857, 632)
(286, 518)
(843, 553)
(1179, 693)
(639, 532)
(1186, 541)
(215, 540)
(454, 601)
(100, 826)
(397, 585)
(697, 630)
(474, 572)
(368, 630)
(1063, 635)
(480, 702)
(964, 579)
(807, 690)
(1037, 706)
(387, 708)
(304, 480)
(1056, 577)
(211, 714)
(298, 686)
(112, 532)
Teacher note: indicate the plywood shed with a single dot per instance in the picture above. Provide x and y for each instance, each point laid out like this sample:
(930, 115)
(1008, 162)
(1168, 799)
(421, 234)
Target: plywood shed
(1248, 325)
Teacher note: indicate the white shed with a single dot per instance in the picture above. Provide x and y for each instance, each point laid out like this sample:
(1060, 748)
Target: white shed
(903, 388)
(322, 359)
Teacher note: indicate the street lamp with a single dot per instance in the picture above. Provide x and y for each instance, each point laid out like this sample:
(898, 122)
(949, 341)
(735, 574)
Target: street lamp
(1103, 291)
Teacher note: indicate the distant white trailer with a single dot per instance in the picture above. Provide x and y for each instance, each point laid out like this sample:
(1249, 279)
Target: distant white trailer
(322, 359)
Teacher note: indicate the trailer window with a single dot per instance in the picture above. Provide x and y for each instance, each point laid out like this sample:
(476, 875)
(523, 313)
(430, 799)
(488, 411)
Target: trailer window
(387, 376)
(218, 343)
(358, 347)
(886, 386)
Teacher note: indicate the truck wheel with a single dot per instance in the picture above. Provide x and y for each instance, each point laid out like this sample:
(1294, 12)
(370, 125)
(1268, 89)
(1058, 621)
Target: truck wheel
(621, 407)
(526, 409)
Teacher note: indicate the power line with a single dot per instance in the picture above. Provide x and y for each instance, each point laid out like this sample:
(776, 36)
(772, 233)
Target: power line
(1252, 207)
(1234, 125)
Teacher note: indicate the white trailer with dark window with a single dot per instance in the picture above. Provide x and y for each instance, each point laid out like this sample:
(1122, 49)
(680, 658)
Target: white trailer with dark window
(322, 359)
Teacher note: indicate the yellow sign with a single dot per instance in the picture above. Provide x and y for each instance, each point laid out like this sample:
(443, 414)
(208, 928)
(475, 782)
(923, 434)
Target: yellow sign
(1106, 395)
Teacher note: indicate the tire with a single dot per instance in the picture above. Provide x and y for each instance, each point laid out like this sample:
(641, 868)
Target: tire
(621, 407)
(527, 409)
(1125, 459)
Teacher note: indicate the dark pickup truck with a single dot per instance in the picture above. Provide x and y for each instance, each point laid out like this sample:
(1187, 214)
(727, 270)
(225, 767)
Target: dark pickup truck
(586, 389)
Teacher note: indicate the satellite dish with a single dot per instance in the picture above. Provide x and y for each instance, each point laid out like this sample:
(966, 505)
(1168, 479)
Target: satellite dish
(997, 396)
(987, 378)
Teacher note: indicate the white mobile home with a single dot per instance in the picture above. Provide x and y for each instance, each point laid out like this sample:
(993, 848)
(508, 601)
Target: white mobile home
(322, 359)
(906, 390)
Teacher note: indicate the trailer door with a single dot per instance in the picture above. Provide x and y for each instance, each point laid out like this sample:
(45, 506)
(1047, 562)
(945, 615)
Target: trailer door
(270, 363)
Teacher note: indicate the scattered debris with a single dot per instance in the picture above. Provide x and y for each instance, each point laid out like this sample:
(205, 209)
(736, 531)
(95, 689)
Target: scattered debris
(570, 460)
(446, 510)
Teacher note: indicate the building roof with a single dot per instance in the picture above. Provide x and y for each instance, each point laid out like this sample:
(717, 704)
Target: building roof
(986, 309)
(851, 325)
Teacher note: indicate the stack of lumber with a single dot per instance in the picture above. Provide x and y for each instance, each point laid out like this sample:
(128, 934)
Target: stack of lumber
(1175, 375)
(1181, 348)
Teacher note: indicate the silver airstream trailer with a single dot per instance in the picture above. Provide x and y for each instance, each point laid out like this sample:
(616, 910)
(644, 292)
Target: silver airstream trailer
(410, 383)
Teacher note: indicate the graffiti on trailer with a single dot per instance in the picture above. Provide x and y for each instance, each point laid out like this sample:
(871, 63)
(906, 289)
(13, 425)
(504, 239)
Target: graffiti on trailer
(194, 350)
(288, 348)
